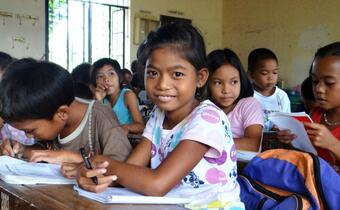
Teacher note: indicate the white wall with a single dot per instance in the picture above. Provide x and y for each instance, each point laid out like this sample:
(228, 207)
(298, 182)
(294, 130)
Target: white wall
(27, 39)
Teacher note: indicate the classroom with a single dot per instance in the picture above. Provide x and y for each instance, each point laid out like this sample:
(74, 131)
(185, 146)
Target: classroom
(169, 104)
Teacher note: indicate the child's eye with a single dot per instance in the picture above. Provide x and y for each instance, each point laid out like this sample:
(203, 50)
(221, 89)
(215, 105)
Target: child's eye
(111, 73)
(275, 72)
(178, 74)
(151, 73)
(329, 83)
(264, 73)
(99, 76)
(216, 82)
(234, 82)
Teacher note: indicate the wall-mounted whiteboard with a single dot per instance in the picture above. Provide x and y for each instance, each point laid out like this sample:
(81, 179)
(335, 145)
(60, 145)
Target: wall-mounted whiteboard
(22, 28)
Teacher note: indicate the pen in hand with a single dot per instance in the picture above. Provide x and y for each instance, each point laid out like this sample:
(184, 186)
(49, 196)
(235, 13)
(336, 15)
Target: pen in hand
(9, 135)
(88, 164)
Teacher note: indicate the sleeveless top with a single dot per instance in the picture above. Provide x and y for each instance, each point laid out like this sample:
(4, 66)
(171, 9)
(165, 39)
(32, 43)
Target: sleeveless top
(120, 109)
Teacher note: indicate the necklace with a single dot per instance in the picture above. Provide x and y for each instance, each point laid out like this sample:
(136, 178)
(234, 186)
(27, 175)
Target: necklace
(90, 133)
(330, 123)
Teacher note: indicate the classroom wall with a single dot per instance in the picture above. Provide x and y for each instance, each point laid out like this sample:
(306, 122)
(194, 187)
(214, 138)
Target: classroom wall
(292, 29)
(20, 34)
(206, 15)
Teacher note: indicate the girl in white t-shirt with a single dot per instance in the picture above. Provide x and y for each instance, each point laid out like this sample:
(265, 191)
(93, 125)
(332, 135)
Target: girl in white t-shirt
(230, 89)
(263, 70)
(187, 141)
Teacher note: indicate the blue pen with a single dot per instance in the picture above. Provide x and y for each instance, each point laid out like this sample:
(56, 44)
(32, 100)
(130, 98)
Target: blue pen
(88, 164)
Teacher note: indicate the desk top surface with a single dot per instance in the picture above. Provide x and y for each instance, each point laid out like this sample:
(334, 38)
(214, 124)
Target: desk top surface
(64, 197)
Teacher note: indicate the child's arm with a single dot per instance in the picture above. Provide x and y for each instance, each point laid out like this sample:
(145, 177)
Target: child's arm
(140, 156)
(251, 140)
(55, 156)
(142, 179)
(100, 92)
(131, 102)
(322, 137)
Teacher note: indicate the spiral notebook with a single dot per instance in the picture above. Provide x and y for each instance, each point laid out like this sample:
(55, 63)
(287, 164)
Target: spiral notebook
(16, 171)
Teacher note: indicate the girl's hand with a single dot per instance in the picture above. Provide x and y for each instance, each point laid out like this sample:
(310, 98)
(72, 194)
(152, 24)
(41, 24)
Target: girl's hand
(99, 166)
(70, 170)
(51, 156)
(320, 135)
(285, 136)
(100, 92)
(6, 149)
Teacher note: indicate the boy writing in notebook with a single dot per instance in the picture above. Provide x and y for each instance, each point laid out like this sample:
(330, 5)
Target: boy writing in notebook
(37, 97)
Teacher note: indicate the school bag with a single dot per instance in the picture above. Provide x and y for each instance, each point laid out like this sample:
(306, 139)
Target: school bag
(289, 179)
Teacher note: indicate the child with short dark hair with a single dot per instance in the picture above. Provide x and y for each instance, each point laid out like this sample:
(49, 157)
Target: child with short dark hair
(107, 78)
(263, 69)
(37, 97)
(230, 89)
(7, 131)
(188, 141)
(82, 81)
(127, 78)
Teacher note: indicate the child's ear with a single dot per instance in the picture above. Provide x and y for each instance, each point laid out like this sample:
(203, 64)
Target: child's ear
(63, 112)
(203, 75)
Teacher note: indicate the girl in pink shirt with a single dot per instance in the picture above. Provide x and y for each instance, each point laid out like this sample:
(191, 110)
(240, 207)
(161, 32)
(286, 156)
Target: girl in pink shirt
(230, 89)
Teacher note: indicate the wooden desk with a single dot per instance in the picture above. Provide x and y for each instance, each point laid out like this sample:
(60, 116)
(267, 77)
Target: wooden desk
(61, 197)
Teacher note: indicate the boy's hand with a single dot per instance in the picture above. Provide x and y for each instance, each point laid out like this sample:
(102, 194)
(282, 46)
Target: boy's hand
(99, 165)
(70, 170)
(285, 136)
(6, 148)
(52, 156)
(320, 135)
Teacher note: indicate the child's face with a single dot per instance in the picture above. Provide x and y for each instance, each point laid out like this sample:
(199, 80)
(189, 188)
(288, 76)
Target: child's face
(326, 82)
(127, 77)
(225, 86)
(171, 81)
(107, 76)
(41, 129)
(265, 75)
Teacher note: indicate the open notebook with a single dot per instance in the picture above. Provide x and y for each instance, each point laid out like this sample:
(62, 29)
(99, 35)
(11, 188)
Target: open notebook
(125, 196)
(15, 171)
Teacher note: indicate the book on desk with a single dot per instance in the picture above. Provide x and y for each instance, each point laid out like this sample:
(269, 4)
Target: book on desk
(115, 195)
(16, 171)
